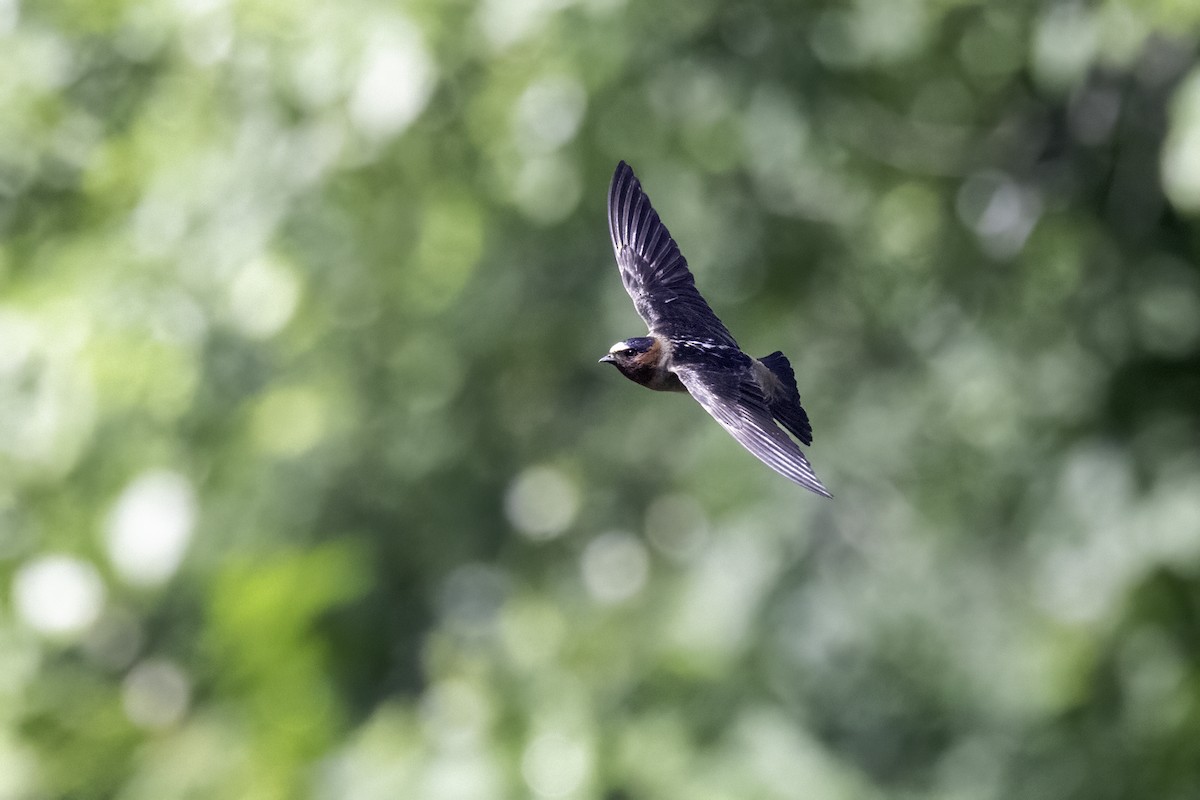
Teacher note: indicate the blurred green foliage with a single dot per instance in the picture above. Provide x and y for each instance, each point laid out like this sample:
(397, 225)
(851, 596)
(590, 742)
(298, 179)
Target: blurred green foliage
(310, 485)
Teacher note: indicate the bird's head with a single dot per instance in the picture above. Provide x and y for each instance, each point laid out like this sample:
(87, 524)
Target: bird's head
(629, 350)
(631, 354)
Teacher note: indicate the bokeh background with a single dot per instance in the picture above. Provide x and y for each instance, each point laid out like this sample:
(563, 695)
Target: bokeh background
(310, 485)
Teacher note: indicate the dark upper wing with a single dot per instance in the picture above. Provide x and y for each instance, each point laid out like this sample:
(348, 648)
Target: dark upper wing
(735, 401)
(654, 272)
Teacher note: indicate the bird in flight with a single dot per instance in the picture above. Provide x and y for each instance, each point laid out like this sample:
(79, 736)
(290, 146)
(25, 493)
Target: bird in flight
(689, 350)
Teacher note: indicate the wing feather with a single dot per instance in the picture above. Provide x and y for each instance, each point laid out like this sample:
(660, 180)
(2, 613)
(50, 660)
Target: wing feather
(736, 402)
(654, 272)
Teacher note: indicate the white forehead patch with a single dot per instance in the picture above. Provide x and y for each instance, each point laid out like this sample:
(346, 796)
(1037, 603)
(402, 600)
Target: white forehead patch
(618, 346)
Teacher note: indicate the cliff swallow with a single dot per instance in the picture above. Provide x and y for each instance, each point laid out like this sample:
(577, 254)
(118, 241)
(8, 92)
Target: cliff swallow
(689, 350)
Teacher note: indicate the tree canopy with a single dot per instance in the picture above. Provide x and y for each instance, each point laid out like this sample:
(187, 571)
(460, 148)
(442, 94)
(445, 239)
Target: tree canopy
(310, 485)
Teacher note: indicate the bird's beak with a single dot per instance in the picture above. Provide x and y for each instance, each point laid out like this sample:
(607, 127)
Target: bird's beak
(607, 359)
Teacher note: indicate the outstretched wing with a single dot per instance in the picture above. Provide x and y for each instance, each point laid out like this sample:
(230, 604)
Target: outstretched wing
(735, 401)
(654, 272)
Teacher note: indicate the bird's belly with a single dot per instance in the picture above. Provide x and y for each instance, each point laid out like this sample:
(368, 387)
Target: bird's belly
(766, 379)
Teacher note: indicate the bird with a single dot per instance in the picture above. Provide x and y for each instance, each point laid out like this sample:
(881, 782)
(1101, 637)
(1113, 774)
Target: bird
(688, 349)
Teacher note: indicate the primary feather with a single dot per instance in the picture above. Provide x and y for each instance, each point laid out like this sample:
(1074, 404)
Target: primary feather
(654, 272)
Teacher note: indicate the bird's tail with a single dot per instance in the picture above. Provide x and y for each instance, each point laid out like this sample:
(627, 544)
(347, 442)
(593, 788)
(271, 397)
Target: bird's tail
(785, 405)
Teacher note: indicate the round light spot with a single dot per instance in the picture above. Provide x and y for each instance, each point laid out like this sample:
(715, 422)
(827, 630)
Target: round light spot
(455, 713)
(150, 526)
(533, 633)
(397, 79)
(615, 567)
(58, 595)
(18, 764)
(1181, 150)
(542, 502)
(156, 694)
(555, 765)
(547, 188)
(1065, 42)
(548, 114)
(8, 15)
(290, 420)
(1001, 212)
(1167, 315)
(263, 297)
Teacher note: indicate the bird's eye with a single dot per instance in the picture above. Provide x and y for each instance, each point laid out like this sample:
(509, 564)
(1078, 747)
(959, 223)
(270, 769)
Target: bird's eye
(630, 353)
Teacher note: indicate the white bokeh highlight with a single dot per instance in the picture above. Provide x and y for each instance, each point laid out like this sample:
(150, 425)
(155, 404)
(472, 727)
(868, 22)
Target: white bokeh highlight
(150, 526)
(615, 567)
(542, 502)
(156, 694)
(58, 595)
(1181, 150)
(548, 114)
(263, 297)
(396, 81)
(555, 764)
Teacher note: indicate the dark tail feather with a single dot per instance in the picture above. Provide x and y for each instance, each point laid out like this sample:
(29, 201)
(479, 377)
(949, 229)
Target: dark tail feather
(785, 406)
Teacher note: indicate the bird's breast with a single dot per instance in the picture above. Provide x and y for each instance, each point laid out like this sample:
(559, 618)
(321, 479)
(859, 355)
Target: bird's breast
(664, 380)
